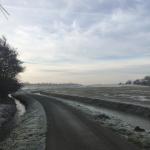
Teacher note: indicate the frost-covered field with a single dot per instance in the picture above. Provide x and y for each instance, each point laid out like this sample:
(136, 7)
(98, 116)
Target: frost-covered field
(139, 95)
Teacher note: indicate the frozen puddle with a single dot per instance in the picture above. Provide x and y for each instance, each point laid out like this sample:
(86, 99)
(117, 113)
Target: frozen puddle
(20, 108)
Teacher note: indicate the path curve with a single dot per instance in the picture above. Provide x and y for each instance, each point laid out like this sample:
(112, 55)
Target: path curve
(69, 129)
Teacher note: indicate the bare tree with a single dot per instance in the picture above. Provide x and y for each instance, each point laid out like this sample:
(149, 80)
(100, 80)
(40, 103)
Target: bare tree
(4, 11)
(10, 66)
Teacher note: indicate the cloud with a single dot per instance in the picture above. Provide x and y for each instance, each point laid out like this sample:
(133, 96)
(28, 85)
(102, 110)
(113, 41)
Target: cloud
(79, 36)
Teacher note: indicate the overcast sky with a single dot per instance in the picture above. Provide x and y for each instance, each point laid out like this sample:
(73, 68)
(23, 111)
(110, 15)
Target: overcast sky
(80, 41)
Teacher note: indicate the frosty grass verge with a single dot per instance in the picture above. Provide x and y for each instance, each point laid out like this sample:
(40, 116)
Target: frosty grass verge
(30, 130)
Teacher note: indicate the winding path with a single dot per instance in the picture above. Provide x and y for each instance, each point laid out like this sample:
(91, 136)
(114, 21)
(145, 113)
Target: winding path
(69, 129)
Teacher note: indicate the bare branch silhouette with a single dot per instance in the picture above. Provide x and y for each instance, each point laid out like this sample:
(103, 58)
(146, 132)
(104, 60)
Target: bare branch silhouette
(4, 11)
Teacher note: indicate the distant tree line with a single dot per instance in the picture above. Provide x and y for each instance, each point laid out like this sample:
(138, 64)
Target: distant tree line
(27, 83)
(145, 81)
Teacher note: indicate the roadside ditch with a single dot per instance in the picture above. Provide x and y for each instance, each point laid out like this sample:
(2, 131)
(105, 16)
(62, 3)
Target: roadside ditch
(29, 131)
